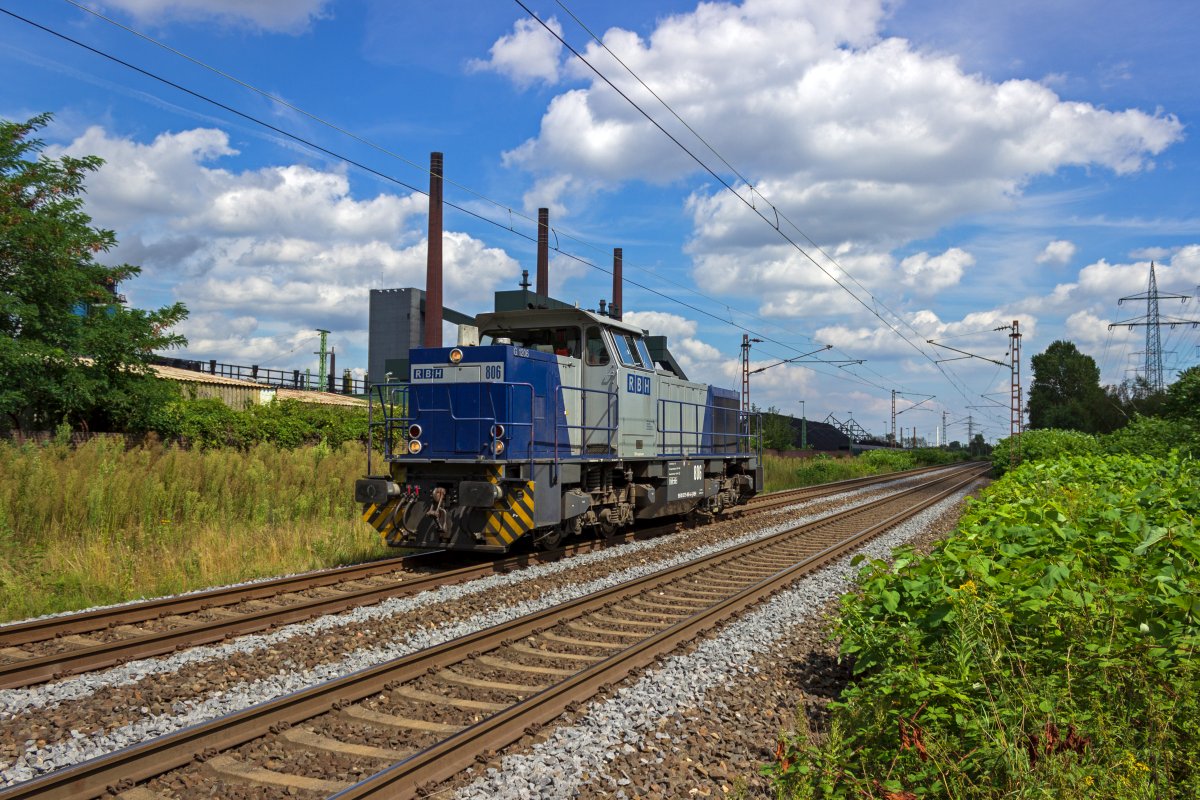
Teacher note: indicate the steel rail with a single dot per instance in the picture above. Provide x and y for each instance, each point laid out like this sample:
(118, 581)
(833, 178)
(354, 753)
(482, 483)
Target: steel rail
(117, 771)
(37, 630)
(424, 769)
(784, 497)
(36, 669)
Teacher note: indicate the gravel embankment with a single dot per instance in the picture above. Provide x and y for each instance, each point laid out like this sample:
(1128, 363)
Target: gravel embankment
(703, 723)
(57, 725)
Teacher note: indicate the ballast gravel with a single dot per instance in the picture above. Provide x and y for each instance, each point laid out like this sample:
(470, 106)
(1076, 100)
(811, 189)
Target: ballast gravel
(36, 756)
(582, 759)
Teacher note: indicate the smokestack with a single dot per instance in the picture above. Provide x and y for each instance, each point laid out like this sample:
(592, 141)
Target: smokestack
(433, 262)
(543, 252)
(617, 306)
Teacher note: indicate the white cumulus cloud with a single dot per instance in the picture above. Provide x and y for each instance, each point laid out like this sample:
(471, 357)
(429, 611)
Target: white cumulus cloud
(926, 274)
(527, 55)
(1060, 251)
(263, 256)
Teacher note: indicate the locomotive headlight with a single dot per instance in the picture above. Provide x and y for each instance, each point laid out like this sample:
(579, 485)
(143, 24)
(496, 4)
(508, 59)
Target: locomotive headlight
(414, 431)
(455, 356)
(414, 447)
(499, 447)
(497, 431)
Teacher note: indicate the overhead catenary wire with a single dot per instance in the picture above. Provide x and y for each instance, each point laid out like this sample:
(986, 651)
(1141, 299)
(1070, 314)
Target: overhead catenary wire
(383, 176)
(509, 210)
(749, 203)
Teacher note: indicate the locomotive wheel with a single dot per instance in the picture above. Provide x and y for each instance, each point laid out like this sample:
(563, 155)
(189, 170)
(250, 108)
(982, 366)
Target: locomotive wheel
(551, 538)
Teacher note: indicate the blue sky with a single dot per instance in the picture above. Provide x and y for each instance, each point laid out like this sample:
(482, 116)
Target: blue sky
(957, 165)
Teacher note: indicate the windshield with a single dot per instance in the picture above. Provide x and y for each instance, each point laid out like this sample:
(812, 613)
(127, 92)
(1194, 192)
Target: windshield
(562, 341)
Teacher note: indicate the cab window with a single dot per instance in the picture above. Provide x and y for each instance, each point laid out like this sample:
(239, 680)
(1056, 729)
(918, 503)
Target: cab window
(647, 361)
(597, 353)
(627, 350)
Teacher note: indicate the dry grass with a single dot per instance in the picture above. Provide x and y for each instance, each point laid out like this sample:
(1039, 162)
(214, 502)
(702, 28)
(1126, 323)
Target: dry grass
(102, 524)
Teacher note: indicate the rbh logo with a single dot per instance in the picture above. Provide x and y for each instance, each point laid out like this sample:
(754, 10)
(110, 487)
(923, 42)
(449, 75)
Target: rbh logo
(427, 373)
(637, 384)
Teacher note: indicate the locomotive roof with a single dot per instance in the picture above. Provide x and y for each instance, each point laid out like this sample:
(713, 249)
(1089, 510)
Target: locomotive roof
(528, 318)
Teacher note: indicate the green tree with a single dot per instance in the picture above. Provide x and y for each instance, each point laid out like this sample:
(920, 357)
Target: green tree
(777, 430)
(1183, 396)
(1065, 392)
(69, 350)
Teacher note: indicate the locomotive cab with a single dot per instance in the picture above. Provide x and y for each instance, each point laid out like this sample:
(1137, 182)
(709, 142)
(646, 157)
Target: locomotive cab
(556, 421)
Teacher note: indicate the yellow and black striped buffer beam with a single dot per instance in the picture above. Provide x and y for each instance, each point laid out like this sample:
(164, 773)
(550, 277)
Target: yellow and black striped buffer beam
(385, 518)
(512, 515)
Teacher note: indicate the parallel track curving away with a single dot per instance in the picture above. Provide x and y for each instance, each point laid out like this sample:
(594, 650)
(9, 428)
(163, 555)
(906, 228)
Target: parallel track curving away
(40, 650)
(422, 718)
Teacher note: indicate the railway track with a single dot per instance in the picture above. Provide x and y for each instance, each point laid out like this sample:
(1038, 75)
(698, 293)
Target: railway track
(399, 728)
(40, 650)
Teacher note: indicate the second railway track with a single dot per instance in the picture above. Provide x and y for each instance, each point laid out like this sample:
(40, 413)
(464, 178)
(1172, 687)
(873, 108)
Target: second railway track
(432, 713)
(44, 649)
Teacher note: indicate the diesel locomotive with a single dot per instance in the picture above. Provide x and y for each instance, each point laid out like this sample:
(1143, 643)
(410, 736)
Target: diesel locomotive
(544, 423)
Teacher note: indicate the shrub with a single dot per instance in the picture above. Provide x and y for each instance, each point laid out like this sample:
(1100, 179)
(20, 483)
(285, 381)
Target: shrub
(1152, 436)
(288, 423)
(1042, 444)
(1046, 649)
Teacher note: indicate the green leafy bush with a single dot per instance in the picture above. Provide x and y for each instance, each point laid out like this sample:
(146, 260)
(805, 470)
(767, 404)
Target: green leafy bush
(1046, 649)
(287, 423)
(1152, 436)
(1044, 444)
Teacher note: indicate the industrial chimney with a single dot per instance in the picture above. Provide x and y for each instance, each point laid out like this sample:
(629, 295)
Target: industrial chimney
(433, 262)
(617, 306)
(543, 252)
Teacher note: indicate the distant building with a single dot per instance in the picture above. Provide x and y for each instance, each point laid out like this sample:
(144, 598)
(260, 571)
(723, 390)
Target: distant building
(240, 395)
(395, 325)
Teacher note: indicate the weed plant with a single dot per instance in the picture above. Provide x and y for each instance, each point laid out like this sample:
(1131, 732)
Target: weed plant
(1046, 649)
(102, 523)
(1043, 444)
(208, 422)
(790, 473)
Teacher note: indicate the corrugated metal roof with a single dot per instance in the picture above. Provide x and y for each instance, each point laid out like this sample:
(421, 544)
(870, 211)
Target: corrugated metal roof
(191, 376)
(324, 398)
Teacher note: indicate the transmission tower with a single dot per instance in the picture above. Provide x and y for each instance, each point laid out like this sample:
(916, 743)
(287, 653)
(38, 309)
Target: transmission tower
(1152, 322)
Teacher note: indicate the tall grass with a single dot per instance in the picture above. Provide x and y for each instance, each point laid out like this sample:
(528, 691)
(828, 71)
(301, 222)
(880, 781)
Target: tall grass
(791, 473)
(101, 524)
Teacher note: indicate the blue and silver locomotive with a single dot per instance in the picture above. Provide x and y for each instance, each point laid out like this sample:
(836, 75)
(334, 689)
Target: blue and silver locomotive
(544, 423)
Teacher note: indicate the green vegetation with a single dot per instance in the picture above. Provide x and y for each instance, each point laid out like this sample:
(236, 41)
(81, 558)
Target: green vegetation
(1046, 649)
(1174, 427)
(1065, 392)
(69, 350)
(1042, 445)
(103, 524)
(790, 473)
(286, 423)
